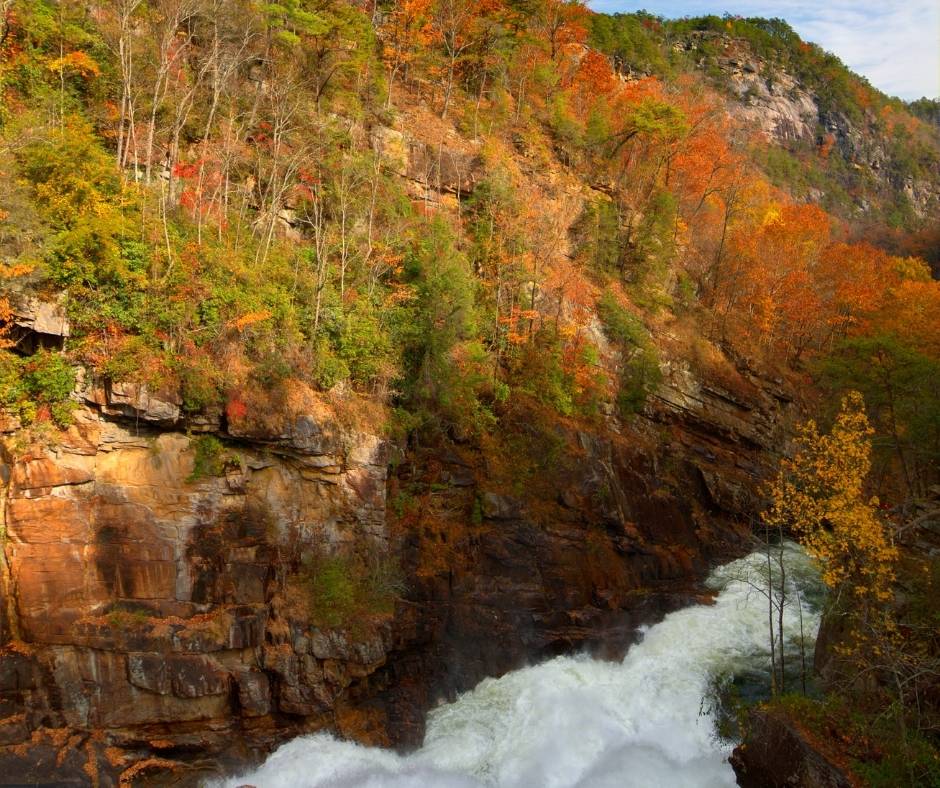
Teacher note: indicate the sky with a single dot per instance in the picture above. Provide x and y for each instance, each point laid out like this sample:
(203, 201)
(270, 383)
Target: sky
(895, 43)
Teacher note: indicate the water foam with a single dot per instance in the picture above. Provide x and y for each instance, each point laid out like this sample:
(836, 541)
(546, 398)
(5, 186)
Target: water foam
(577, 721)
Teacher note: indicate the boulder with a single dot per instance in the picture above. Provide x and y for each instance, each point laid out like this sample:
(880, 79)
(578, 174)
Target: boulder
(500, 507)
(135, 401)
(39, 324)
(777, 754)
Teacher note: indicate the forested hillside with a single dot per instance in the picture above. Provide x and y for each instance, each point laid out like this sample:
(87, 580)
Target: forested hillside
(482, 225)
(210, 188)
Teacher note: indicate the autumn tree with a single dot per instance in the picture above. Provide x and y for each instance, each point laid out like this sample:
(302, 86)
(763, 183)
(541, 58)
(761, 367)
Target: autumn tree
(454, 23)
(561, 23)
(495, 221)
(405, 33)
(820, 495)
(898, 383)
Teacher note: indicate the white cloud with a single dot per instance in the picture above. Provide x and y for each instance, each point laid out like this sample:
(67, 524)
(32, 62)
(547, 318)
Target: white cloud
(894, 43)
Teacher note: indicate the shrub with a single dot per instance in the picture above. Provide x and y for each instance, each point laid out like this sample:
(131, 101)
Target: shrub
(640, 378)
(640, 372)
(342, 588)
(210, 458)
(329, 369)
(364, 344)
(37, 386)
(879, 751)
(48, 377)
(539, 372)
(443, 366)
(621, 326)
(75, 186)
(200, 382)
(599, 237)
(332, 591)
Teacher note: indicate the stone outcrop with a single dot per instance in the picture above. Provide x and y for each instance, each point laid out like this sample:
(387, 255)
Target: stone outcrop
(448, 168)
(778, 754)
(135, 401)
(147, 604)
(38, 323)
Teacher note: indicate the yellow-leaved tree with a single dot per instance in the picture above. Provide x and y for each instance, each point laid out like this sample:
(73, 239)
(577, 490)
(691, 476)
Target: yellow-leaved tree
(820, 495)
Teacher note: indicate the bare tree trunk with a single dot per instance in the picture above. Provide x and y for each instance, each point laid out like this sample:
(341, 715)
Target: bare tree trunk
(770, 618)
(449, 86)
(170, 50)
(781, 603)
(799, 603)
(476, 109)
(6, 20)
(125, 51)
(315, 219)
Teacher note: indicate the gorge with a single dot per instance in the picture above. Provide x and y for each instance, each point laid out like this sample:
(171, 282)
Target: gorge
(648, 720)
(405, 392)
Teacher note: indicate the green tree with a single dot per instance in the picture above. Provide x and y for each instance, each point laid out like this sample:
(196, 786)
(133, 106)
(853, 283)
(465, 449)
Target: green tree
(76, 189)
(899, 386)
(445, 367)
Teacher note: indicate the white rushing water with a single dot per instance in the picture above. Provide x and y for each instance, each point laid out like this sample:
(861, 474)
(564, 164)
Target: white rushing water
(575, 721)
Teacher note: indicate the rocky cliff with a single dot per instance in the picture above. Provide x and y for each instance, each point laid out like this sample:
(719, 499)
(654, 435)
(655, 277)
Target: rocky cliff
(779, 752)
(872, 154)
(148, 611)
(158, 619)
(161, 618)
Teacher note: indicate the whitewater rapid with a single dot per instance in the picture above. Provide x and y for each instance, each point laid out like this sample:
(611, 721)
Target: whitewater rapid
(647, 721)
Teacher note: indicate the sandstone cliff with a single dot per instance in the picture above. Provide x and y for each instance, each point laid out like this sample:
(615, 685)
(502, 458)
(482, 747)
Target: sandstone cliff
(147, 611)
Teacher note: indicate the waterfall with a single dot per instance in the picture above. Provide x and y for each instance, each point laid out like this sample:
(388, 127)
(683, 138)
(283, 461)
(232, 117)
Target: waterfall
(648, 720)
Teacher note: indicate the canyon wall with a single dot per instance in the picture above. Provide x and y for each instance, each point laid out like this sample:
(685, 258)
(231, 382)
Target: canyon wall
(158, 620)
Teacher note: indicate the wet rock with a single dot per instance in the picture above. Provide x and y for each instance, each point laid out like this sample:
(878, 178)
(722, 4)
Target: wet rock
(14, 730)
(149, 672)
(146, 597)
(182, 675)
(777, 754)
(254, 692)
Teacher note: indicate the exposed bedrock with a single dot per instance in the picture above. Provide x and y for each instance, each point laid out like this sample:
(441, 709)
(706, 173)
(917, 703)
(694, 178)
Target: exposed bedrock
(157, 620)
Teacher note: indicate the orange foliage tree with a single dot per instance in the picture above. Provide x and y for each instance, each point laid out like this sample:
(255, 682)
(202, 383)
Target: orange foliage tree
(561, 23)
(405, 33)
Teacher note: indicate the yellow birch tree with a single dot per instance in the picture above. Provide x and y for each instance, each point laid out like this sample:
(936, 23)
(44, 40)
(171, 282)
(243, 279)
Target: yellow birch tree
(820, 494)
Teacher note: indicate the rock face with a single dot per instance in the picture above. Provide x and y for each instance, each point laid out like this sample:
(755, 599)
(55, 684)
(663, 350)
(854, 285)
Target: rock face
(38, 324)
(147, 610)
(777, 754)
(158, 615)
(775, 102)
(448, 168)
(615, 532)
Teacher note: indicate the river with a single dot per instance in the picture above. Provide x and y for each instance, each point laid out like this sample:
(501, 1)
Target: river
(649, 720)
